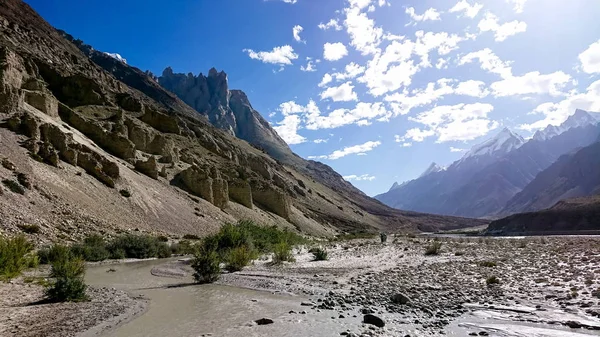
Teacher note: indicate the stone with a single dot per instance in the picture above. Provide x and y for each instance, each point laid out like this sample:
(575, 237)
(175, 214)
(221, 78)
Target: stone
(128, 102)
(260, 165)
(43, 101)
(240, 192)
(272, 199)
(49, 154)
(264, 321)
(373, 320)
(148, 167)
(400, 298)
(161, 122)
(163, 172)
(220, 193)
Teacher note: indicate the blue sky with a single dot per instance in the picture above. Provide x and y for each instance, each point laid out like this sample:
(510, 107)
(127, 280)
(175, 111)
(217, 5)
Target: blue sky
(377, 89)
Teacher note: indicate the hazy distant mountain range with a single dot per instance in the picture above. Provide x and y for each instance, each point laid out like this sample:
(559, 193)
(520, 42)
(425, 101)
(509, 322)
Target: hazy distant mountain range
(506, 173)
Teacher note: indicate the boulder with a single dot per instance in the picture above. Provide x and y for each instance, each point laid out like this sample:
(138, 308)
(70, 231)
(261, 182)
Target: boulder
(400, 298)
(148, 167)
(373, 320)
(43, 101)
(48, 153)
(160, 121)
(241, 192)
(90, 163)
(128, 102)
(264, 321)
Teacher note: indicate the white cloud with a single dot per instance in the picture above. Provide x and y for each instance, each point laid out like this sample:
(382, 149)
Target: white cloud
(407, 144)
(556, 113)
(279, 55)
(361, 114)
(489, 62)
(590, 59)
(456, 149)
(531, 83)
(454, 122)
(288, 130)
(403, 102)
(291, 107)
(415, 134)
(350, 71)
(359, 178)
(361, 149)
(430, 14)
(343, 93)
(319, 141)
(310, 66)
(333, 23)
(441, 63)
(334, 51)
(364, 36)
(501, 31)
(290, 1)
(326, 80)
(296, 30)
(467, 9)
(518, 5)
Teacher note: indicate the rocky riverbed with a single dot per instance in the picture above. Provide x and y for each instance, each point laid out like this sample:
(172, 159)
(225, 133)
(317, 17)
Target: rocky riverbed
(475, 286)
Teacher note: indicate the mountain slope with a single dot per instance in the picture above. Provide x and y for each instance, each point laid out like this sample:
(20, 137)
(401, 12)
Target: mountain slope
(82, 125)
(573, 175)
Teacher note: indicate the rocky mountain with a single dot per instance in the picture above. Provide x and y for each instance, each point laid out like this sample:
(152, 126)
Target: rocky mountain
(578, 119)
(89, 143)
(487, 177)
(573, 175)
(433, 168)
(571, 216)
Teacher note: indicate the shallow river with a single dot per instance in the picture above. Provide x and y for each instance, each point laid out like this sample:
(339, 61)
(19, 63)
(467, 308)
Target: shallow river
(179, 308)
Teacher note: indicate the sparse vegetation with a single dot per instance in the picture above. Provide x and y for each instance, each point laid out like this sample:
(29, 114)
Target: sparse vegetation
(137, 247)
(125, 193)
(492, 280)
(239, 257)
(191, 237)
(319, 254)
(14, 186)
(206, 265)
(23, 179)
(434, 248)
(93, 248)
(15, 256)
(282, 252)
(68, 271)
(30, 228)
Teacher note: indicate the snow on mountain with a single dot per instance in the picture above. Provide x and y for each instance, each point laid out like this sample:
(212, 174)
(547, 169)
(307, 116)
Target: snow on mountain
(504, 142)
(578, 119)
(117, 57)
(433, 168)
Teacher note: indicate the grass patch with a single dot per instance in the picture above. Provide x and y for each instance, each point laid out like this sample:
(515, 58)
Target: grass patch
(14, 186)
(492, 280)
(15, 256)
(434, 248)
(29, 228)
(125, 193)
(319, 254)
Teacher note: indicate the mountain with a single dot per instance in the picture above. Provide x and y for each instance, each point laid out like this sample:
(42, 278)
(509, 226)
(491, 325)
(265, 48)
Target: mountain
(487, 177)
(578, 119)
(101, 147)
(576, 174)
(570, 216)
(433, 168)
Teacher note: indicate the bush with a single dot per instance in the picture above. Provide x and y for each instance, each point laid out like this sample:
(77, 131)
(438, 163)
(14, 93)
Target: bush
(125, 193)
(492, 280)
(239, 257)
(13, 186)
(206, 266)
(183, 247)
(434, 248)
(68, 286)
(15, 256)
(29, 228)
(282, 252)
(319, 254)
(53, 253)
(134, 246)
(92, 249)
(163, 250)
(191, 237)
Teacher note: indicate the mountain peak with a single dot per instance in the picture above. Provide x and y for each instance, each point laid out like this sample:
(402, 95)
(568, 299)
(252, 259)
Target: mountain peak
(433, 168)
(578, 119)
(504, 142)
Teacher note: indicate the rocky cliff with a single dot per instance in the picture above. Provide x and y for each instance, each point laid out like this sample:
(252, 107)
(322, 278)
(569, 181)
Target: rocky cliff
(99, 146)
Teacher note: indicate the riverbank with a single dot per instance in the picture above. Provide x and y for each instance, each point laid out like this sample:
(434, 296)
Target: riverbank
(484, 286)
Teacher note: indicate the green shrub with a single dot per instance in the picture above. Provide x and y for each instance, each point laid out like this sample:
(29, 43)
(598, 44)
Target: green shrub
(29, 228)
(434, 248)
(282, 252)
(239, 257)
(15, 256)
(183, 247)
(163, 250)
(125, 193)
(319, 254)
(53, 253)
(206, 265)
(23, 179)
(13, 186)
(191, 237)
(133, 246)
(492, 280)
(68, 286)
(93, 248)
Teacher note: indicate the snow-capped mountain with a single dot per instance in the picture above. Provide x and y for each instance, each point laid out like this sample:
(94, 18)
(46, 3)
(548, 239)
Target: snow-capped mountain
(117, 57)
(433, 168)
(579, 118)
(504, 142)
(396, 185)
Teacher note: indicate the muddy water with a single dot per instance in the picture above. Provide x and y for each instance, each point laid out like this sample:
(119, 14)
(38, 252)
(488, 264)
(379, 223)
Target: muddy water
(179, 308)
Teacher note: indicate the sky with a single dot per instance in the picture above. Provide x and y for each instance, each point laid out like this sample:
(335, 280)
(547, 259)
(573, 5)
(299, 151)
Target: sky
(377, 89)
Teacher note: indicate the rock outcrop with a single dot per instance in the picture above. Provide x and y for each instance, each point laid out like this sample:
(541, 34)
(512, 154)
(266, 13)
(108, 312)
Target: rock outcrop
(148, 167)
(206, 183)
(271, 199)
(240, 192)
